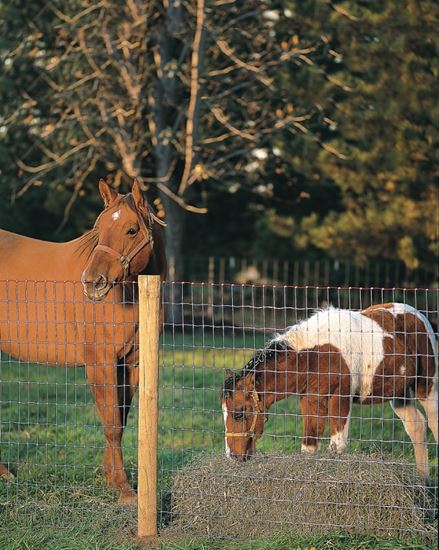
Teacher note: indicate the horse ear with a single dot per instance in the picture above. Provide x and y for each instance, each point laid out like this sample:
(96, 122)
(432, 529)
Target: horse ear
(107, 193)
(139, 199)
(228, 373)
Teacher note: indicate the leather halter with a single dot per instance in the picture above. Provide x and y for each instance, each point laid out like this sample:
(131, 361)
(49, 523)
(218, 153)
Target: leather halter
(125, 260)
(256, 411)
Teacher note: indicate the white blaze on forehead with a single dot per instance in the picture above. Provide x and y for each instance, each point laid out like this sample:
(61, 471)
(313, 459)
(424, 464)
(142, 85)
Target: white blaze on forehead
(116, 215)
(225, 414)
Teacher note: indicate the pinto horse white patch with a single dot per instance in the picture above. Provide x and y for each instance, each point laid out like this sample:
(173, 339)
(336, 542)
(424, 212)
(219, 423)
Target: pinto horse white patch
(359, 339)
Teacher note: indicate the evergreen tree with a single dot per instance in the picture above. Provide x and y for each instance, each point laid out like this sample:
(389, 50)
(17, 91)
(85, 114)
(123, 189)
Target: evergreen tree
(383, 120)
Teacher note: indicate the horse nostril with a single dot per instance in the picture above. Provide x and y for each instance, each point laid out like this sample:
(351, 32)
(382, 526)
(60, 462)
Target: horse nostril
(100, 282)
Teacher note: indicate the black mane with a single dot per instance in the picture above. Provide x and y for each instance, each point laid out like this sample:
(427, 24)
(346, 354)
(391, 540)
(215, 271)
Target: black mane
(252, 367)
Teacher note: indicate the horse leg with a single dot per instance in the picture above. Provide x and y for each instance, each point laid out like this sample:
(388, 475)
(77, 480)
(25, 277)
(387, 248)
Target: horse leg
(314, 413)
(430, 405)
(415, 425)
(127, 382)
(339, 418)
(4, 472)
(102, 378)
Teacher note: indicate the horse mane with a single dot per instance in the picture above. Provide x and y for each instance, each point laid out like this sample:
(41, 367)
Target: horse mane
(87, 242)
(253, 366)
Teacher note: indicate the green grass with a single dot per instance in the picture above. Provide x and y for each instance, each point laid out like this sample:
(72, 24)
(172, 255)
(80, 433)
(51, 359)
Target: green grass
(52, 439)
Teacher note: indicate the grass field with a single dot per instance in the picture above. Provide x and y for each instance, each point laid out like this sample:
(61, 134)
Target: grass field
(52, 439)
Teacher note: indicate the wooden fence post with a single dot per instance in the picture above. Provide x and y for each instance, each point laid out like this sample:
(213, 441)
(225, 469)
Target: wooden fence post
(149, 330)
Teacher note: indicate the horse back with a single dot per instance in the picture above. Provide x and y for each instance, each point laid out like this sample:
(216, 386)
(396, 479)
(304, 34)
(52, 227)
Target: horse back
(410, 348)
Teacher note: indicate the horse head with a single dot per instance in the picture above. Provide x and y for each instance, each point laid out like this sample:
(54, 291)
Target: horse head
(244, 414)
(124, 241)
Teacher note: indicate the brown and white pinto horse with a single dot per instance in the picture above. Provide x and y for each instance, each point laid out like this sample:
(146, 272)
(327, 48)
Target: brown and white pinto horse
(387, 352)
(47, 315)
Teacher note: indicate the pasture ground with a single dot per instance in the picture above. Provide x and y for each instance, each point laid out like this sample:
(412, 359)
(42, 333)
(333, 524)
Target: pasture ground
(53, 440)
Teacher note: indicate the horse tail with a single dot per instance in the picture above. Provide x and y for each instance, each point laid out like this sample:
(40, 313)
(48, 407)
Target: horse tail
(427, 357)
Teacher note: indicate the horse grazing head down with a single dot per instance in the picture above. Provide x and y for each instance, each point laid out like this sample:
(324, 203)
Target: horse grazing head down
(243, 416)
(125, 241)
(247, 396)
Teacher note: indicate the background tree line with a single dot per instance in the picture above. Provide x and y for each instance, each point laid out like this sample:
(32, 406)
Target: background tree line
(270, 128)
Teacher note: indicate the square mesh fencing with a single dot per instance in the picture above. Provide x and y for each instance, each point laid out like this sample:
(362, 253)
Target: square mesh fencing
(52, 437)
(282, 481)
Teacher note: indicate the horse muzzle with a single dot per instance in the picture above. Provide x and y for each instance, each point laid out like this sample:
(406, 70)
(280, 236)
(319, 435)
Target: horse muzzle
(97, 289)
(240, 457)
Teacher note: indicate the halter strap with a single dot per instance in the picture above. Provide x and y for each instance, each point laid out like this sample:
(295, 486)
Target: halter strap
(125, 260)
(256, 412)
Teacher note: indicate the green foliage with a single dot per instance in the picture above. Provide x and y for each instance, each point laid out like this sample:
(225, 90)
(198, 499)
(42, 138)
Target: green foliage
(318, 130)
(386, 127)
(19, 49)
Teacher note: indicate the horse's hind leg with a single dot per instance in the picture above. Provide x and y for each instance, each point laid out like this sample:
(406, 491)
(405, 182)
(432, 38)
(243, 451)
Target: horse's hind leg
(415, 425)
(5, 473)
(128, 382)
(430, 404)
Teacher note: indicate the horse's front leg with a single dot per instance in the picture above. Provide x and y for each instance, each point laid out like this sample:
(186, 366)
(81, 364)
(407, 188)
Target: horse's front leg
(5, 473)
(314, 413)
(339, 418)
(103, 381)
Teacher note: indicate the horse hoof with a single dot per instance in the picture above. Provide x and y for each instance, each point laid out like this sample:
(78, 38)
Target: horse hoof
(6, 474)
(128, 498)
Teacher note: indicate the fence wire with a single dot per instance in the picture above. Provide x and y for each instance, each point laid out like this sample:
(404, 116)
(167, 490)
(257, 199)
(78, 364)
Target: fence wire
(51, 434)
(373, 488)
(52, 439)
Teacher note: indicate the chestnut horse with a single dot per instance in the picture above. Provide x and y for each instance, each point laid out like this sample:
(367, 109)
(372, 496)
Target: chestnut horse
(387, 352)
(47, 315)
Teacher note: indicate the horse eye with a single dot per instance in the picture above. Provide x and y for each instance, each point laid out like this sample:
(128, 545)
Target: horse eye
(132, 231)
(239, 415)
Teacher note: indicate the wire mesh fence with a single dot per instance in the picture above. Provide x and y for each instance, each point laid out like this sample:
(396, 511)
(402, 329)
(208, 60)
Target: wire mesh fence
(59, 420)
(373, 488)
(52, 438)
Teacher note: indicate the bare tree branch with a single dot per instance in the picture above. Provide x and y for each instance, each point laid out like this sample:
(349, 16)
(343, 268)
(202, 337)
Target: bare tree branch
(194, 101)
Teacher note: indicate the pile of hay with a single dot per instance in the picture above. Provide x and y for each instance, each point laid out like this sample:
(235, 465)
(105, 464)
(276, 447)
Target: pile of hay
(357, 493)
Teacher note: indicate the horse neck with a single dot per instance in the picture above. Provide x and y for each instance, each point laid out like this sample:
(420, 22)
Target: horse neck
(281, 376)
(84, 245)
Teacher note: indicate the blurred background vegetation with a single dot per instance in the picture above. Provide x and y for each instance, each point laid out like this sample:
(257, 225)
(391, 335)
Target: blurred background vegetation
(272, 129)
